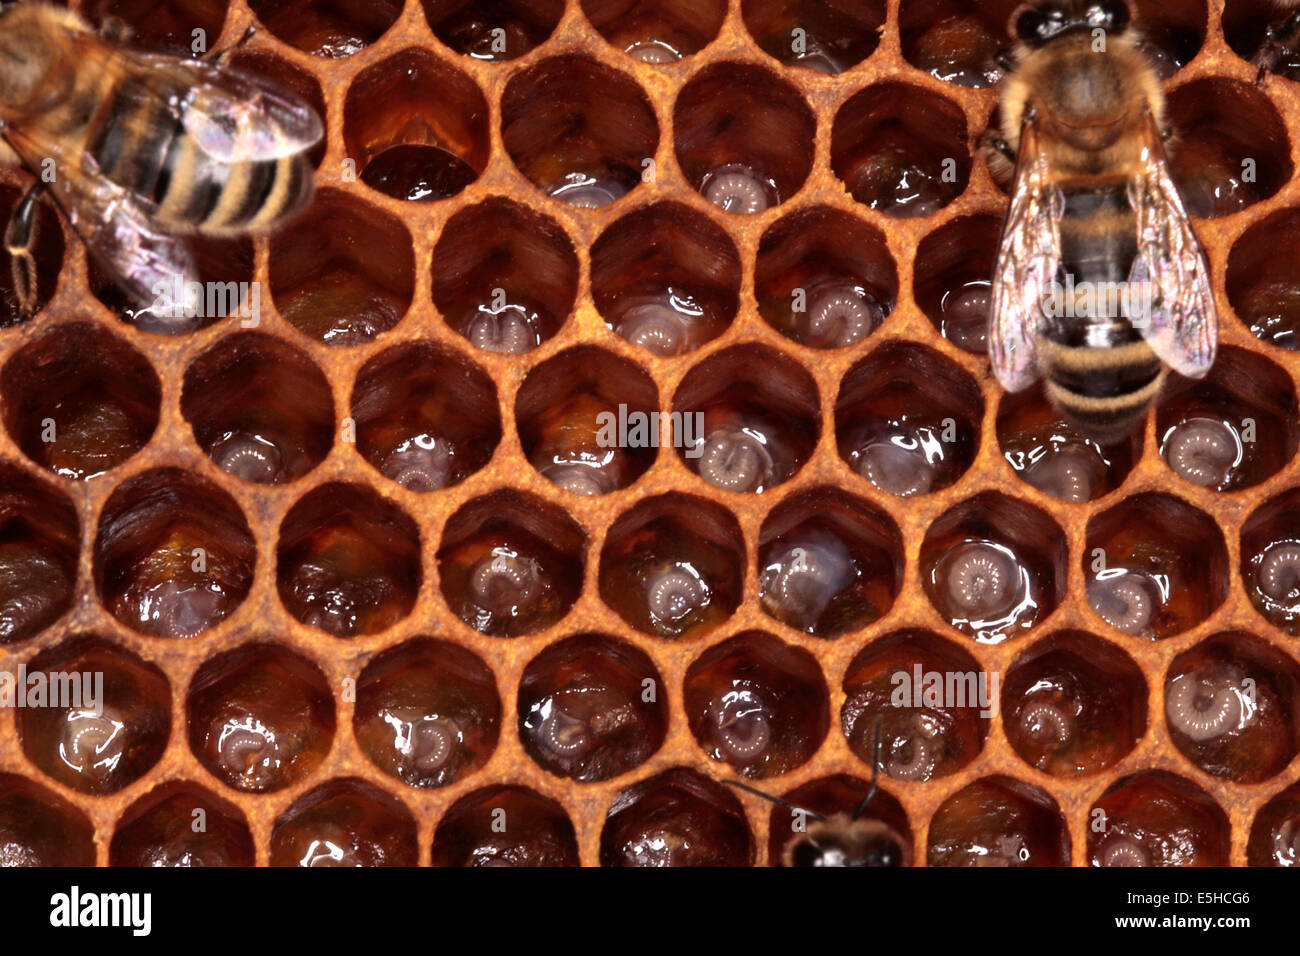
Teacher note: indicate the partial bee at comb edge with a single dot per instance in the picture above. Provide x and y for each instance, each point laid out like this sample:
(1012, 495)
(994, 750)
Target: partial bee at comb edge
(1281, 37)
(142, 150)
(1100, 284)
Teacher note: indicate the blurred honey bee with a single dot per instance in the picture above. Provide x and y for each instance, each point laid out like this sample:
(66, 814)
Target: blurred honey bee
(141, 150)
(843, 839)
(1280, 38)
(1100, 283)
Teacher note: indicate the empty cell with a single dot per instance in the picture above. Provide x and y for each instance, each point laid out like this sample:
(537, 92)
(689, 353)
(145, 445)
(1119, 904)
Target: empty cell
(493, 30)
(657, 31)
(346, 822)
(901, 150)
(79, 401)
(416, 128)
(328, 28)
(676, 818)
(829, 37)
(343, 272)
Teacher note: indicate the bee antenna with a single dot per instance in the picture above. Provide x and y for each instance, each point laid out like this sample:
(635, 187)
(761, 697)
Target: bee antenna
(777, 800)
(875, 771)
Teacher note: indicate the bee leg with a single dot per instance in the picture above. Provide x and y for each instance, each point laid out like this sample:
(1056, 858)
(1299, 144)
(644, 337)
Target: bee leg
(1276, 39)
(20, 241)
(875, 771)
(222, 57)
(999, 157)
(999, 146)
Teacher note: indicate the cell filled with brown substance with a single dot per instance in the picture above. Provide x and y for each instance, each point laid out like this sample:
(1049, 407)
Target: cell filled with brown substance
(346, 822)
(998, 821)
(505, 825)
(676, 818)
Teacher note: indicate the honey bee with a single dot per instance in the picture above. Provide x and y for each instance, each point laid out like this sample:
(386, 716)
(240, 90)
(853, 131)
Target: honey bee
(141, 150)
(843, 839)
(1100, 282)
(1280, 38)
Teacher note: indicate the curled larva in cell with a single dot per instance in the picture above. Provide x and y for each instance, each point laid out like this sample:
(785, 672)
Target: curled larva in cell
(838, 314)
(433, 742)
(913, 751)
(586, 192)
(982, 580)
(736, 460)
(897, 467)
(505, 582)
(1122, 851)
(1279, 572)
(1207, 703)
(737, 189)
(1070, 473)
(580, 478)
(673, 595)
(422, 463)
(1127, 601)
(802, 579)
(562, 734)
(657, 327)
(510, 330)
(247, 456)
(740, 726)
(1046, 725)
(1203, 451)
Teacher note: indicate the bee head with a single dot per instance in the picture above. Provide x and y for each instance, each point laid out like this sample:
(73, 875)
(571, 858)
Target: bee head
(863, 842)
(1037, 23)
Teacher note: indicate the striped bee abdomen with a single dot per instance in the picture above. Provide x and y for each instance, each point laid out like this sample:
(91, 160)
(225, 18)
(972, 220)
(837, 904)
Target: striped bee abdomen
(1100, 372)
(144, 147)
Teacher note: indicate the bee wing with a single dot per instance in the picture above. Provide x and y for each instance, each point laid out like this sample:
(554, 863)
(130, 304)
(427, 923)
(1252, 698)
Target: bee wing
(1182, 324)
(112, 223)
(230, 115)
(1029, 255)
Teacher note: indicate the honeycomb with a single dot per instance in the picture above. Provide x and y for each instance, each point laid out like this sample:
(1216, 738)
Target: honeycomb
(365, 588)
